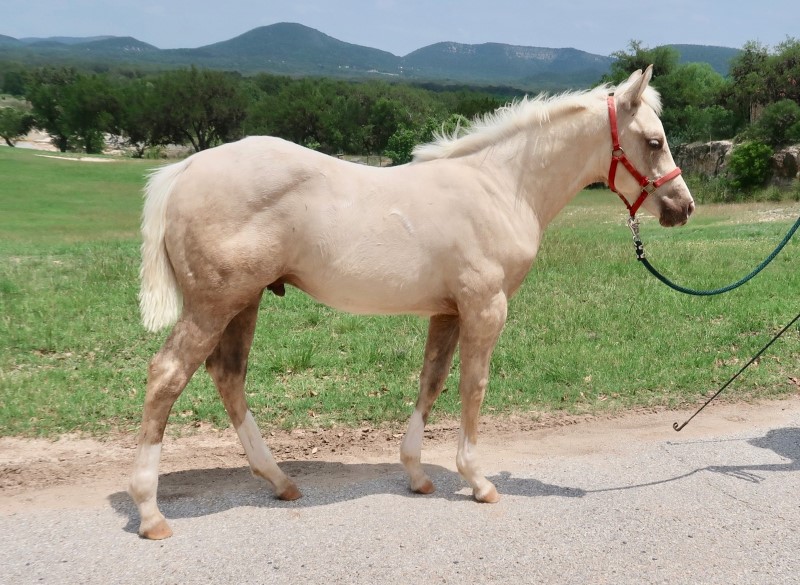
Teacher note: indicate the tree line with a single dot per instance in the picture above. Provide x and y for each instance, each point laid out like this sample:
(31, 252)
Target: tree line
(758, 100)
(203, 108)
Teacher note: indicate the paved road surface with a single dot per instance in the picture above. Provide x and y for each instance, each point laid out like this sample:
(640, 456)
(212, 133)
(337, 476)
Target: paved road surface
(625, 501)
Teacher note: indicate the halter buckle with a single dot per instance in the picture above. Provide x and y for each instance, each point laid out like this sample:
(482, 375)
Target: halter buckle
(633, 224)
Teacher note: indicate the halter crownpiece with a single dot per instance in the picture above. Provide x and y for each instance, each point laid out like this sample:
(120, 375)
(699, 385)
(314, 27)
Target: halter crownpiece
(618, 156)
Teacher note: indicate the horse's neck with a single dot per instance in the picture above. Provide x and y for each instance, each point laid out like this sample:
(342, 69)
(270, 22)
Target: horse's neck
(557, 161)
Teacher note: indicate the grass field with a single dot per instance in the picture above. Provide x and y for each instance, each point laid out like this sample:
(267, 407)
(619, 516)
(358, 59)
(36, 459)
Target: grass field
(589, 331)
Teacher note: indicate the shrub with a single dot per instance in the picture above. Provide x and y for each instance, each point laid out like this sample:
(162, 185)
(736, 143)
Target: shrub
(749, 165)
(400, 145)
(773, 194)
(707, 189)
(779, 123)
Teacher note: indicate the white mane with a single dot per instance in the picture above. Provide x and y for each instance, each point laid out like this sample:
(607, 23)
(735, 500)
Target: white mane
(515, 117)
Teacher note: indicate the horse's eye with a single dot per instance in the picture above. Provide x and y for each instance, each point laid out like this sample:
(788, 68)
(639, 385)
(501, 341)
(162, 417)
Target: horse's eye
(654, 144)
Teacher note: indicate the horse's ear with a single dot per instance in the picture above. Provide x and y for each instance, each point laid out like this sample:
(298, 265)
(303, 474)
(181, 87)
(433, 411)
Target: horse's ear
(632, 90)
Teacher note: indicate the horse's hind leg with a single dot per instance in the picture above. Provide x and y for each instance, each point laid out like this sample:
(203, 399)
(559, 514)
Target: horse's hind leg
(442, 339)
(190, 341)
(227, 366)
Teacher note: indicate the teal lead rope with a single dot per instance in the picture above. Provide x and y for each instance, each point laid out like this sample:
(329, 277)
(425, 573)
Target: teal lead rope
(633, 224)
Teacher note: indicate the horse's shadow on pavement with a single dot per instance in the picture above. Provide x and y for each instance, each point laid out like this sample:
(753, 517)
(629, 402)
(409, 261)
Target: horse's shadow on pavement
(202, 492)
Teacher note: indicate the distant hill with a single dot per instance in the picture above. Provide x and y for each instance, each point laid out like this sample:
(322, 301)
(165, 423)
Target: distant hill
(9, 41)
(718, 57)
(499, 63)
(125, 46)
(64, 40)
(294, 49)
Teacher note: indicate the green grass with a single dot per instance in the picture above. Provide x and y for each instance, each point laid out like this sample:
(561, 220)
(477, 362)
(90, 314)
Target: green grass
(55, 201)
(589, 331)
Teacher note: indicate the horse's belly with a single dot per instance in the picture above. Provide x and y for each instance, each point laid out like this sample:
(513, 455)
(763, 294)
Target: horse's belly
(375, 296)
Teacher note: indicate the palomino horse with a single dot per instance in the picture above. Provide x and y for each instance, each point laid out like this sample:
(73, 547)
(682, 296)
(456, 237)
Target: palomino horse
(449, 236)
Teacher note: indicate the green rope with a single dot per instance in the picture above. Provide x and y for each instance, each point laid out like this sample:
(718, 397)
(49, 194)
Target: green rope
(637, 242)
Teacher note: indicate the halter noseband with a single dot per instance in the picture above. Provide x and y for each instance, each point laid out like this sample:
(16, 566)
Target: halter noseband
(618, 156)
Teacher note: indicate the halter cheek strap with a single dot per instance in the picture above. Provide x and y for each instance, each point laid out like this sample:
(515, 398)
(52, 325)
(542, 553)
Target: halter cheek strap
(618, 156)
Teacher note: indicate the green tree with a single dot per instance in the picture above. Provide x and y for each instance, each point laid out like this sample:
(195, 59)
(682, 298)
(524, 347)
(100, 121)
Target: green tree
(298, 112)
(47, 95)
(783, 72)
(138, 118)
(14, 122)
(385, 118)
(197, 106)
(778, 123)
(664, 60)
(471, 105)
(691, 84)
(691, 95)
(74, 108)
(747, 89)
(89, 109)
(14, 83)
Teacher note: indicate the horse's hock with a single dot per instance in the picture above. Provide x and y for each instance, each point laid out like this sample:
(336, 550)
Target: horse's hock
(711, 159)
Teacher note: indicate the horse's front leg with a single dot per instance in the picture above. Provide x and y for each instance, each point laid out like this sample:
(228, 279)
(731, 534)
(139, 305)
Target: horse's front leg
(479, 332)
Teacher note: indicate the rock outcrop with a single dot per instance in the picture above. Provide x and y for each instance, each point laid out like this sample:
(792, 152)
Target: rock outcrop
(710, 159)
(786, 165)
(703, 158)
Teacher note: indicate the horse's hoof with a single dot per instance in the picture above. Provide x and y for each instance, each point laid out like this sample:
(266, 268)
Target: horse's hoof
(489, 496)
(159, 531)
(425, 487)
(290, 493)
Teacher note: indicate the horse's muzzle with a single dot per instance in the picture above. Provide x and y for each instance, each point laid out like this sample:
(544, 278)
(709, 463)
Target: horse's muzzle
(674, 215)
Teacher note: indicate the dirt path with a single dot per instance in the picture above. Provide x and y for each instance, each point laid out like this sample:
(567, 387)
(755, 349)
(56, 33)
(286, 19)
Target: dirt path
(74, 472)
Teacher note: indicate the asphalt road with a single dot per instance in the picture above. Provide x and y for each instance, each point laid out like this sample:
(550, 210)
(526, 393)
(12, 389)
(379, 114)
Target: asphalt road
(620, 501)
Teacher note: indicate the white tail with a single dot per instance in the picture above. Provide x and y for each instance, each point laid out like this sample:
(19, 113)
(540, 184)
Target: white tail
(160, 299)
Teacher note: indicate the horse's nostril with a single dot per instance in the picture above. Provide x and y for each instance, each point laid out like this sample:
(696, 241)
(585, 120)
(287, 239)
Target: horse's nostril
(691, 208)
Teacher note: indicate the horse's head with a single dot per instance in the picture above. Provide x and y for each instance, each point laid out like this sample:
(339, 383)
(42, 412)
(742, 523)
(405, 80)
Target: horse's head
(642, 170)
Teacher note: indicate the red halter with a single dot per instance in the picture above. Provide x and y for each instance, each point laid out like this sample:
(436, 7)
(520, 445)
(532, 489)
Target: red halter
(618, 156)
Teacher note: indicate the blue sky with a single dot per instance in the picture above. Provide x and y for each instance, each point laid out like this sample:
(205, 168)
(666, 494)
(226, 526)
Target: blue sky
(401, 26)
